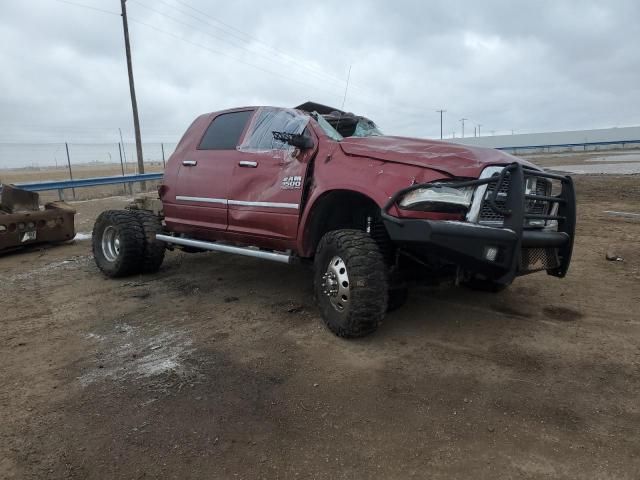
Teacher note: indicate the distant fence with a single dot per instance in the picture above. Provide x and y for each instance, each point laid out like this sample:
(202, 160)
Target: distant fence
(83, 164)
(60, 155)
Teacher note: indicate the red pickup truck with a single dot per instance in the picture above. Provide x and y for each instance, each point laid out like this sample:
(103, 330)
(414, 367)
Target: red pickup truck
(373, 213)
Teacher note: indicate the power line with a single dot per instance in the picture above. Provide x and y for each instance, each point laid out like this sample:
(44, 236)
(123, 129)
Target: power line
(89, 7)
(398, 106)
(333, 94)
(226, 40)
(88, 130)
(325, 78)
(218, 52)
(267, 48)
(265, 45)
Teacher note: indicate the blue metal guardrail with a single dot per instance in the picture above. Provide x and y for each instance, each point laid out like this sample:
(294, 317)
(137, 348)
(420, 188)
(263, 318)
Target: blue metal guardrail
(560, 145)
(61, 185)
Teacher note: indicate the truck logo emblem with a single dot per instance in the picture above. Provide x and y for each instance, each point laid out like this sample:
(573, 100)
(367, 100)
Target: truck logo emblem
(292, 183)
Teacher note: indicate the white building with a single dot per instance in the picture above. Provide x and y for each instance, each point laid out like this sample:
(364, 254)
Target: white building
(578, 139)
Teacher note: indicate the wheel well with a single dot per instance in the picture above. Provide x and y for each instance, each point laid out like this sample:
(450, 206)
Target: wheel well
(336, 210)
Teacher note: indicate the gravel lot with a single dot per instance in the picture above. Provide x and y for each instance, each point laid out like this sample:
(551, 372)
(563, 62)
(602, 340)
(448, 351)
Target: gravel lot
(219, 367)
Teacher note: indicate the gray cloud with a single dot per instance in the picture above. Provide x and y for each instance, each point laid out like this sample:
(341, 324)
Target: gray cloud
(528, 66)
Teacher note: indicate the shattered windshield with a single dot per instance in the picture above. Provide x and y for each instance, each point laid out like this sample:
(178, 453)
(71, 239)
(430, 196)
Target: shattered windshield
(338, 124)
(350, 125)
(326, 126)
(366, 128)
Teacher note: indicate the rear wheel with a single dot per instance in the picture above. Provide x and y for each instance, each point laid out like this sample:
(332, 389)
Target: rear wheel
(350, 283)
(118, 243)
(153, 251)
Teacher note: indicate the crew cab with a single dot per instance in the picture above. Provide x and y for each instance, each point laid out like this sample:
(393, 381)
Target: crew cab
(372, 213)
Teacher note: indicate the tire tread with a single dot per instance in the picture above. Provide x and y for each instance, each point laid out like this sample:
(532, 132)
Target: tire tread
(154, 250)
(131, 239)
(367, 272)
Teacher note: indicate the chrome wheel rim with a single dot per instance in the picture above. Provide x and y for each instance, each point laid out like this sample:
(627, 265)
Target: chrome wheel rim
(335, 284)
(110, 244)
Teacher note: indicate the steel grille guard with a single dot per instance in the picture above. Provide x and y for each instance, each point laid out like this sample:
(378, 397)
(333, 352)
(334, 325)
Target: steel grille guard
(514, 212)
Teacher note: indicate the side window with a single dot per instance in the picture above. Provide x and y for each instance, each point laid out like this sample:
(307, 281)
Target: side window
(268, 120)
(225, 130)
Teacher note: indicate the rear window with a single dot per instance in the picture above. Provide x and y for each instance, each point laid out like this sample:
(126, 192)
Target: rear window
(225, 130)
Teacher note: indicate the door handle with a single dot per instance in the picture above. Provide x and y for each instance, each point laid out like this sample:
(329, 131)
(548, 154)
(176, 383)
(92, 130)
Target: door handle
(189, 163)
(248, 164)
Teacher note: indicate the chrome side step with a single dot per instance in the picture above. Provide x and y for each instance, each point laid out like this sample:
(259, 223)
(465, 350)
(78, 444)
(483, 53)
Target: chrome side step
(219, 247)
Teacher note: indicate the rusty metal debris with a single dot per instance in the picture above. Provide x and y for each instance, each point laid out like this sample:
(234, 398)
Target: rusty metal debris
(23, 222)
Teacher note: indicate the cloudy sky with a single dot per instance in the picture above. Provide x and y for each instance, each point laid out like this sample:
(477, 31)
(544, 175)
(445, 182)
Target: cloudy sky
(513, 65)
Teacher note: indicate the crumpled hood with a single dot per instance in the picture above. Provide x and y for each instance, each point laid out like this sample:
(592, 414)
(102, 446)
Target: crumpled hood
(456, 160)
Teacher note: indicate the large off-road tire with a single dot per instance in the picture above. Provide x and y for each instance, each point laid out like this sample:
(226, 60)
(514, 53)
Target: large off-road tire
(350, 283)
(153, 252)
(118, 243)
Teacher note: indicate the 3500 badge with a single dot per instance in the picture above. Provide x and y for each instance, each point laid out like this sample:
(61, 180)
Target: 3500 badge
(292, 183)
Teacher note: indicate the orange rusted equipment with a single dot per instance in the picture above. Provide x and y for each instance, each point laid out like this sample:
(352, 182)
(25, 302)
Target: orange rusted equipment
(23, 222)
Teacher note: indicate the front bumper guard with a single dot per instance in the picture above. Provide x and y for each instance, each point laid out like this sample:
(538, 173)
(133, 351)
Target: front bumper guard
(466, 244)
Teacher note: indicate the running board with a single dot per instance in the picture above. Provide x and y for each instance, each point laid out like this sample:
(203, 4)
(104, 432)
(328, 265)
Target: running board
(219, 247)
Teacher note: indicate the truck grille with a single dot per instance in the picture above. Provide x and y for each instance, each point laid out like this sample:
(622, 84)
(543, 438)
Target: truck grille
(489, 216)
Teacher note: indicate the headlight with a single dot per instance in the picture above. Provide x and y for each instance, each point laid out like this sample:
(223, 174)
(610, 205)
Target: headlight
(536, 186)
(438, 199)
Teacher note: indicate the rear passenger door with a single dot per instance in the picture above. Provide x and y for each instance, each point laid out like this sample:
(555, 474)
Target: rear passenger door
(204, 175)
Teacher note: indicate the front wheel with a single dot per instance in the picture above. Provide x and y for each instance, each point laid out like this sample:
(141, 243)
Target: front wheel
(350, 283)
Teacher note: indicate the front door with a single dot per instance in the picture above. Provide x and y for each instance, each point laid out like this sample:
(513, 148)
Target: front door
(268, 178)
(204, 174)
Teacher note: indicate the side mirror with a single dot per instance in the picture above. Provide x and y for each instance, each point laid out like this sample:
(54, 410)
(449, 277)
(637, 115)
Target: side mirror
(294, 139)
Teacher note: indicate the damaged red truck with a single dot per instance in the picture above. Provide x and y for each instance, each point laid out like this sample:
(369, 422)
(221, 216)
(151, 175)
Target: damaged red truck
(372, 213)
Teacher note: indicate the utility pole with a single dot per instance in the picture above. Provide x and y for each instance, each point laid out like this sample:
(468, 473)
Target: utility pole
(462, 120)
(441, 112)
(134, 103)
(66, 145)
(479, 125)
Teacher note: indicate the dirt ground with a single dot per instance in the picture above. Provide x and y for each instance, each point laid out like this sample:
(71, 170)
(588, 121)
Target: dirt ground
(219, 367)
